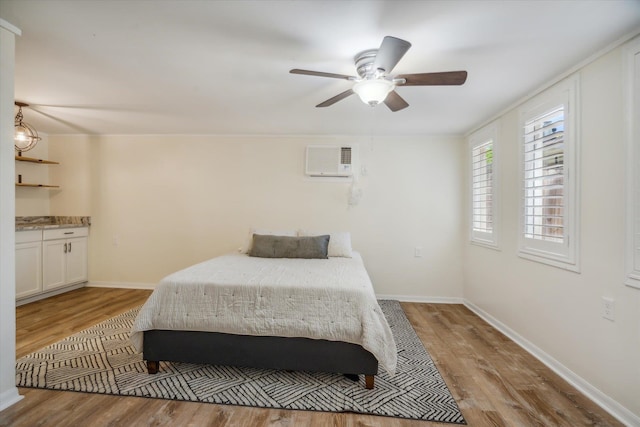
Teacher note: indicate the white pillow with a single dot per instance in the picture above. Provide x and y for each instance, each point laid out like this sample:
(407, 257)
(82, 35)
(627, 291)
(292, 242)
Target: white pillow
(339, 242)
(249, 242)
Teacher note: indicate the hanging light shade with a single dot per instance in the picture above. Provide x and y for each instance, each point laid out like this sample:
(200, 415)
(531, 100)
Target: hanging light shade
(373, 91)
(25, 137)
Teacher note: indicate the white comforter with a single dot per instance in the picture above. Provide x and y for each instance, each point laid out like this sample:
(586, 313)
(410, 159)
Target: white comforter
(330, 299)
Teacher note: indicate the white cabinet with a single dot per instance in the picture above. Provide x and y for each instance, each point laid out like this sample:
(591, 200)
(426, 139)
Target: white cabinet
(28, 263)
(50, 261)
(64, 257)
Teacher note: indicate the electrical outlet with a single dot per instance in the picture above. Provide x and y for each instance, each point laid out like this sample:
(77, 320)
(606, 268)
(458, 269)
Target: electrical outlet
(608, 308)
(417, 252)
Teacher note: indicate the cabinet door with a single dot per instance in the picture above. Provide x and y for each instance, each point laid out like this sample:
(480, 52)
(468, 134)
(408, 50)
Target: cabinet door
(28, 269)
(54, 260)
(77, 260)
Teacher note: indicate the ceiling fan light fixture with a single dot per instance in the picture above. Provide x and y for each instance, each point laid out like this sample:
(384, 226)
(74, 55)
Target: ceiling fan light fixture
(373, 91)
(25, 137)
(376, 84)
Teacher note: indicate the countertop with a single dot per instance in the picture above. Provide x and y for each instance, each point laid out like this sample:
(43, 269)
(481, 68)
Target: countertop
(24, 223)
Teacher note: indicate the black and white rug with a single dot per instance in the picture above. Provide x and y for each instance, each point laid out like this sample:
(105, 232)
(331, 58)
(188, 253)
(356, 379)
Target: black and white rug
(101, 359)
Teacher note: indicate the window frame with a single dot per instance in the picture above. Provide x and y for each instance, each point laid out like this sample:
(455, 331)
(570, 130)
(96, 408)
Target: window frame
(632, 138)
(488, 133)
(566, 254)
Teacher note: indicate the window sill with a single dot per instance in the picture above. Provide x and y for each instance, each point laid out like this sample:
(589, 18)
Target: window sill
(550, 260)
(632, 280)
(486, 244)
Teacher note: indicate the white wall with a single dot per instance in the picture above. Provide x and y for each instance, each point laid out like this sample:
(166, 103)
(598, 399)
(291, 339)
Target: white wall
(32, 201)
(556, 310)
(162, 203)
(73, 174)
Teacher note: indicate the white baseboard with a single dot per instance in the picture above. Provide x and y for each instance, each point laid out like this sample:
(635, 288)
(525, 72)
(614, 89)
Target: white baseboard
(58, 291)
(429, 300)
(9, 397)
(605, 402)
(404, 298)
(122, 285)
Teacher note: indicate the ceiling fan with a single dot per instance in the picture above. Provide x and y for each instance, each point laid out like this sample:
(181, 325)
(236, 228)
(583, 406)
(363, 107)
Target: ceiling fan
(375, 84)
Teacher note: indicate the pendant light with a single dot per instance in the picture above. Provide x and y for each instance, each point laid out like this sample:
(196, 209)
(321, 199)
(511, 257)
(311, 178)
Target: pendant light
(25, 137)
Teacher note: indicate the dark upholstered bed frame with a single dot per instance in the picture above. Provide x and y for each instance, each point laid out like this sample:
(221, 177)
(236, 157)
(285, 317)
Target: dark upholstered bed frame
(296, 354)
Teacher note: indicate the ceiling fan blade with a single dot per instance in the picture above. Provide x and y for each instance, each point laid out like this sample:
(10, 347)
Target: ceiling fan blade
(336, 98)
(321, 74)
(434, 79)
(395, 102)
(389, 54)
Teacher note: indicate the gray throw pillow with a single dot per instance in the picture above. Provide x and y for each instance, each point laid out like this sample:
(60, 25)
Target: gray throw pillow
(289, 247)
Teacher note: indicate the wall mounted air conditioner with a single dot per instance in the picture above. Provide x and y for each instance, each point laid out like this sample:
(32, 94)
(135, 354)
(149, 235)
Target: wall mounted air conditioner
(330, 161)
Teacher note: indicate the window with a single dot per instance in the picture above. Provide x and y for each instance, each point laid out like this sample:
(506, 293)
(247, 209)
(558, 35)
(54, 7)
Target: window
(549, 220)
(632, 261)
(544, 176)
(484, 222)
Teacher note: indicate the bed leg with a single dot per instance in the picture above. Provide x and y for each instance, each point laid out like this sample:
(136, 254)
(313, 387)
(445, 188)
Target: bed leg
(153, 366)
(368, 380)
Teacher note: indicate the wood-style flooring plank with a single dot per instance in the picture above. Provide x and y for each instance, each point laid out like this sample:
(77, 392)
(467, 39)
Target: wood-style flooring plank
(47, 321)
(494, 381)
(492, 378)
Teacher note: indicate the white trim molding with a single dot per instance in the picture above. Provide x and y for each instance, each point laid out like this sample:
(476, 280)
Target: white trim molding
(422, 299)
(121, 285)
(49, 294)
(486, 135)
(402, 298)
(9, 393)
(565, 253)
(10, 27)
(598, 397)
(631, 89)
(9, 397)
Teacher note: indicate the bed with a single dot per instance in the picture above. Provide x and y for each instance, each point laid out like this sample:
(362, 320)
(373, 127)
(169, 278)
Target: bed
(308, 314)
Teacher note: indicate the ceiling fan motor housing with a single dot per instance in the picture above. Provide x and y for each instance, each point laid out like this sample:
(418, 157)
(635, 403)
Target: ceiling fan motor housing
(364, 63)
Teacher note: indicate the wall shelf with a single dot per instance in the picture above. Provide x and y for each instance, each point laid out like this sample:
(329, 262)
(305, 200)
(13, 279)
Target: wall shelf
(22, 184)
(34, 160)
(37, 161)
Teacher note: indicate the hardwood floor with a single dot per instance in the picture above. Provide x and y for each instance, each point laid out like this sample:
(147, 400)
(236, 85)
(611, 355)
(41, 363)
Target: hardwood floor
(494, 381)
(46, 321)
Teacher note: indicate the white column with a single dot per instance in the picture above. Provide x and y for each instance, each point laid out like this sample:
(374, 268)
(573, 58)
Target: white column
(8, 390)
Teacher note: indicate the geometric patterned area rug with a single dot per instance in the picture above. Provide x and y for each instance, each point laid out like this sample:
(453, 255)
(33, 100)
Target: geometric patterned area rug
(101, 359)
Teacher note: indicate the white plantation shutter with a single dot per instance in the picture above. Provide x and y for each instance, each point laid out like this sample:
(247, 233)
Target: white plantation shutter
(484, 194)
(549, 152)
(544, 176)
(481, 167)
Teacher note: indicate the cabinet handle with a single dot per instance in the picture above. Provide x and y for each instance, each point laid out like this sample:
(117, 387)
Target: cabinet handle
(69, 247)
(68, 232)
(65, 248)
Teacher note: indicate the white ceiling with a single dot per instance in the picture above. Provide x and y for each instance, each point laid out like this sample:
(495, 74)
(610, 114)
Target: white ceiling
(222, 67)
